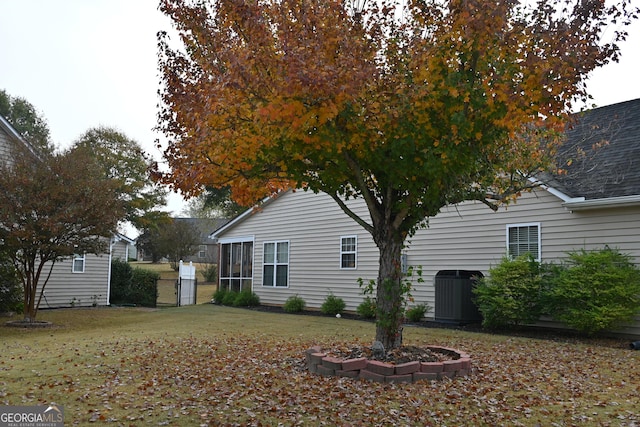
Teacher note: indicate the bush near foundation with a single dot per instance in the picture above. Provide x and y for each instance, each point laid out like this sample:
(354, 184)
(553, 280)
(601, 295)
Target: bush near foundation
(333, 305)
(512, 294)
(367, 308)
(417, 312)
(246, 298)
(229, 297)
(294, 304)
(596, 291)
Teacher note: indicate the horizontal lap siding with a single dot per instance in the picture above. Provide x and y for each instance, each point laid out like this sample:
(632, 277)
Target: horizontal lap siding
(472, 237)
(5, 147)
(64, 286)
(313, 224)
(119, 251)
(468, 237)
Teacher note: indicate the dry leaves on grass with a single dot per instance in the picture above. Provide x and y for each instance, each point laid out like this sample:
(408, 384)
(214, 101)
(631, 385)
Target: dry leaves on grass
(260, 381)
(407, 353)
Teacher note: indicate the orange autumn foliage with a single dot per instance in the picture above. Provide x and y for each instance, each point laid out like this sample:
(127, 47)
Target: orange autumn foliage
(409, 106)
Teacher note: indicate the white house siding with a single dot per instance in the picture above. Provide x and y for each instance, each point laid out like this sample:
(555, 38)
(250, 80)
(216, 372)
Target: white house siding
(8, 138)
(87, 288)
(5, 147)
(120, 250)
(313, 225)
(469, 236)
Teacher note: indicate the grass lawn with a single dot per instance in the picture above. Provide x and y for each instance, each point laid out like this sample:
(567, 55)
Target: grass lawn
(213, 365)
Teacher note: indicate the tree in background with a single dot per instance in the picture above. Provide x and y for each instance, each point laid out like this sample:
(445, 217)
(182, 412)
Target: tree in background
(123, 160)
(214, 203)
(410, 108)
(53, 208)
(27, 121)
(171, 239)
(179, 240)
(149, 241)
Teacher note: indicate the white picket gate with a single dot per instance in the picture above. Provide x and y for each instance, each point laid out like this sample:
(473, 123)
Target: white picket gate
(187, 284)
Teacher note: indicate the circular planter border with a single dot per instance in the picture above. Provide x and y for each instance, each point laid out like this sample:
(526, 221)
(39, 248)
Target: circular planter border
(28, 325)
(318, 362)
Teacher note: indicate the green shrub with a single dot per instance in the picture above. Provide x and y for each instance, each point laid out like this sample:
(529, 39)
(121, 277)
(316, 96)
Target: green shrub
(332, 305)
(144, 287)
(367, 308)
(597, 291)
(210, 273)
(133, 285)
(417, 312)
(512, 295)
(229, 297)
(218, 295)
(246, 298)
(294, 304)
(121, 274)
(11, 292)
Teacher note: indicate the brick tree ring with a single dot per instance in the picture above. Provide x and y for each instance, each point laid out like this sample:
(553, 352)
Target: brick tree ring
(318, 362)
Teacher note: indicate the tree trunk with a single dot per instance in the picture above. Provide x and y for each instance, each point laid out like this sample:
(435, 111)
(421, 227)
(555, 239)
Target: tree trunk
(389, 294)
(29, 300)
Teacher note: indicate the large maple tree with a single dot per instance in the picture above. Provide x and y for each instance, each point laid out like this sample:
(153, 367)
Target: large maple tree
(408, 106)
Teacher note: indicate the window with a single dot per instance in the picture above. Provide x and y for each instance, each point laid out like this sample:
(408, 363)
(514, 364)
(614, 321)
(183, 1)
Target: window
(78, 264)
(348, 252)
(202, 252)
(236, 265)
(275, 267)
(522, 239)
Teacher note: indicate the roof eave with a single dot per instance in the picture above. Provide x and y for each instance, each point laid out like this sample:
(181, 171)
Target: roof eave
(14, 134)
(609, 202)
(559, 194)
(240, 218)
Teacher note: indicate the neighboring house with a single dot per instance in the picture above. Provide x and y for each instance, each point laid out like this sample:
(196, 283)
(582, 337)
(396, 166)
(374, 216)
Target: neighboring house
(301, 243)
(81, 281)
(122, 247)
(206, 250)
(9, 138)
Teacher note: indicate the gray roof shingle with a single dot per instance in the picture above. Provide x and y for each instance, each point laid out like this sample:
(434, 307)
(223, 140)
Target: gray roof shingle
(603, 145)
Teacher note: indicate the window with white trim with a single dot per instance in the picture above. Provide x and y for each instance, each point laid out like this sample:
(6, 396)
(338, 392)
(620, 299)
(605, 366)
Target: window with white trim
(348, 252)
(236, 265)
(202, 252)
(77, 265)
(522, 239)
(275, 264)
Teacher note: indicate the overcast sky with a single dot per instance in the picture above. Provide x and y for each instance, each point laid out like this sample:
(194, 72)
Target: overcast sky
(86, 63)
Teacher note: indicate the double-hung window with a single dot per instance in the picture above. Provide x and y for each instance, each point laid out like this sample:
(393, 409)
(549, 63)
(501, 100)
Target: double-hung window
(202, 252)
(348, 252)
(522, 239)
(275, 264)
(77, 265)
